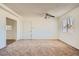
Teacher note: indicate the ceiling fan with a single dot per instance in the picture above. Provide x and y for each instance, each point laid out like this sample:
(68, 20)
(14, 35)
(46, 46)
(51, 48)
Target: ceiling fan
(46, 15)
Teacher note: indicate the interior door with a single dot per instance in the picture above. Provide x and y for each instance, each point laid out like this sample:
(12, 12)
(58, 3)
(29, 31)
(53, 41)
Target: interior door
(2, 31)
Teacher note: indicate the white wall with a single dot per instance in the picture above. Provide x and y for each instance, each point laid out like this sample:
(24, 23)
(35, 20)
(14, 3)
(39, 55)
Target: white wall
(41, 28)
(71, 37)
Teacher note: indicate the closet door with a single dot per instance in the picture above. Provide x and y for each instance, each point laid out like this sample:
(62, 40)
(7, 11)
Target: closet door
(2, 31)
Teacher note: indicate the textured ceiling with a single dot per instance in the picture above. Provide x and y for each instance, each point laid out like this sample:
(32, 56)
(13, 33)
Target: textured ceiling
(26, 9)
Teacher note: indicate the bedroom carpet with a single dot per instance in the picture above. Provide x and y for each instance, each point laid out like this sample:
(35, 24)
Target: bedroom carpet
(39, 47)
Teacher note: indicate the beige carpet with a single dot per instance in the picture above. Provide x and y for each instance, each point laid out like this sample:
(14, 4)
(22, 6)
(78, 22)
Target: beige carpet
(39, 48)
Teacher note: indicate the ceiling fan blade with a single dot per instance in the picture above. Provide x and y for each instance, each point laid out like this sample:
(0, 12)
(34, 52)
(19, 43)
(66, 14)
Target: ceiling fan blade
(46, 15)
(49, 15)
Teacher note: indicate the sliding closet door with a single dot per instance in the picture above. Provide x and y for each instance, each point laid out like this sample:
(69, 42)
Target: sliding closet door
(2, 31)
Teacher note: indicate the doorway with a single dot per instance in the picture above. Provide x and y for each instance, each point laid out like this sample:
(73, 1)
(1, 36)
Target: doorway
(11, 31)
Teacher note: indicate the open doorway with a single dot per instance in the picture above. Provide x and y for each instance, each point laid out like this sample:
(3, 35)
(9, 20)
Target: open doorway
(11, 31)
